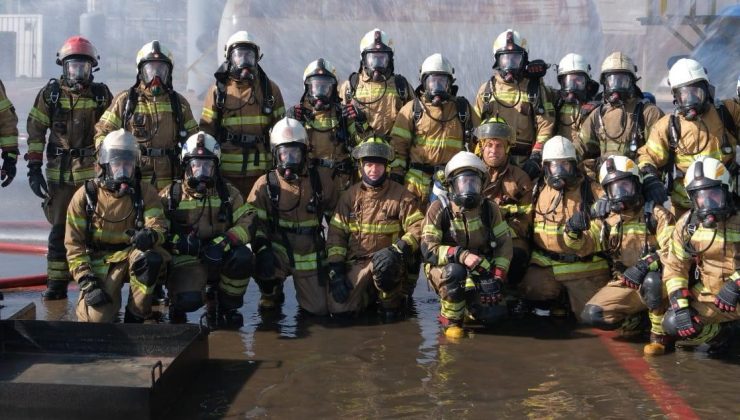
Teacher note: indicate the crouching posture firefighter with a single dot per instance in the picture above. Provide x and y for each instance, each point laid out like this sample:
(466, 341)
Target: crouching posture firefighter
(466, 246)
(209, 228)
(561, 207)
(510, 187)
(115, 226)
(704, 300)
(636, 236)
(376, 228)
(290, 201)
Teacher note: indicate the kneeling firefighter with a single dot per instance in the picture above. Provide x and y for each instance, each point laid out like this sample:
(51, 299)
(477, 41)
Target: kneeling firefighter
(636, 237)
(115, 226)
(375, 230)
(210, 226)
(466, 246)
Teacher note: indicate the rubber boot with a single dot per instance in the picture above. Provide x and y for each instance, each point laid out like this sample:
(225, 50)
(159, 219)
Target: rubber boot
(159, 296)
(230, 318)
(130, 318)
(659, 345)
(177, 316)
(270, 301)
(452, 327)
(55, 290)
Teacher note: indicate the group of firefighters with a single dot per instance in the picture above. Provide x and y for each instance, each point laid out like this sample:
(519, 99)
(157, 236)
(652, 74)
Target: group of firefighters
(553, 197)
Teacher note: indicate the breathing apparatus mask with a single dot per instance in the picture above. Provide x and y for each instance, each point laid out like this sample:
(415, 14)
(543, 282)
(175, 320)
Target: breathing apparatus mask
(466, 187)
(119, 171)
(290, 160)
(711, 205)
(511, 65)
(200, 174)
(560, 173)
(243, 62)
(321, 91)
(155, 75)
(366, 179)
(623, 194)
(618, 87)
(377, 65)
(77, 73)
(573, 87)
(437, 87)
(691, 100)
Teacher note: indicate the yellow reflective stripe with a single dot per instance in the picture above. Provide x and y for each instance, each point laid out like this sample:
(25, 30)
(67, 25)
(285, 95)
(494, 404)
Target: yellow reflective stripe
(5, 104)
(233, 286)
(412, 218)
(657, 149)
(433, 231)
(442, 254)
(511, 96)
(474, 224)
(38, 115)
(135, 284)
(182, 260)
(80, 103)
(424, 141)
(153, 108)
(676, 283)
(684, 161)
(190, 124)
(548, 228)
(401, 132)
(195, 204)
(337, 251)
(411, 240)
(502, 262)
(6, 141)
(77, 262)
(76, 221)
(207, 114)
(262, 215)
(398, 163)
(323, 123)
(307, 262)
(562, 268)
(368, 92)
(375, 228)
(109, 237)
(240, 233)
(634, 228)
(452, 310)
(79, 175)
(111, 118)
(278, 113)
(36, 146)
(153, 212)
(704, 234)
(245, 120)
(337, 222)
(500, 229)
(242, 210)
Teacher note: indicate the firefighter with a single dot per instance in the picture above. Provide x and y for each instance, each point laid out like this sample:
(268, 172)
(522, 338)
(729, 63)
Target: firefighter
(701, 272)
(67, 107)
(291, 203)
(509, 187)
(622, 122)
(575, 99)
(696, 128)
(517, 94)
(430, 129)
(114, 231)
(328, 132)
(375, 229)
(375, 93)
(8, 138)
(239, 110)
(210, 226)
(466, 246)
(636, 237)
(561, 210)
(158, 116)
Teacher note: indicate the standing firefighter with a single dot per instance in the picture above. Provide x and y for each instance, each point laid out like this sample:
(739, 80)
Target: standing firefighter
(375, 93)
(209, 228)
(509, 187)
(696, 128)
(620, 125)
(575, 99)
(466, 246)
(701, 272)
(8, 138)
(159, 117)
(291, 201)
(239, 111)
(564, 258)
(68, 107)
(375, 230)
(115, 226)
(636, 237)
(328, 132)
(517, 94)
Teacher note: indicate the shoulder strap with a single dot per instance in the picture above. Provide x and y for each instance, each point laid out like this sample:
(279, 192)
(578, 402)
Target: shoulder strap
(226, 210)
(177, 114)
(650, 222)
(486, 218)
(418, 111)
(313, 175)
(727, 120)
(100, 94)
(273, 193)
(268, 100)
(354, 80)
(175, 196)
(674, 133)
(91, 203)
(219, 99)
(533, 94)
(487, 94)
(51, 96)
(131, 101)
(463, 114)
(587, 196)
(402, 88)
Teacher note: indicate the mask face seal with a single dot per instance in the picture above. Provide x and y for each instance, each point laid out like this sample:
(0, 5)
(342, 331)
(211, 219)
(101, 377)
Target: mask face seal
(155, 75)
(691, 100)
(437, 88)
(573, 87)
(617, 87)
(119, 171)
(242, 62)
(320, 91)
(511, 66)
(623, 194)
(560, 173)
(466, 189)
(377, 65)
(77, 73)
(200, 174)
(710, 205)
(289, 161)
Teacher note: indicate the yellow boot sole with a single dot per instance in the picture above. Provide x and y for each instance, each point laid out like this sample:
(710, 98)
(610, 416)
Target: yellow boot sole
(454, 332)
(653, 349)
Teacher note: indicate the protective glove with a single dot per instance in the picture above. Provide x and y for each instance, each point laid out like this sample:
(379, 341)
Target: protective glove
(301, 113)
(654, 190)
(533, 165)
(187, 244)
(387, 264)
(726, 299)
(396, 177)
(600, 209)
(7, 173)
(490, 289)
(351, 111)
(688, 323)
(36, 180)
(93, 294)
(339, 283)
(577, 224)
(633, 276)
(215, 251)
(144, 239)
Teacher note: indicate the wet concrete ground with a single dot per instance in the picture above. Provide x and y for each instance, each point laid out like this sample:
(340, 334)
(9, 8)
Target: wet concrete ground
(287, 365)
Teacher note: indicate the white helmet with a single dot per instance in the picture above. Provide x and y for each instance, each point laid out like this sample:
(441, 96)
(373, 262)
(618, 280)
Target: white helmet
(116, 142)
(617, 167)
(621, 181)
(464, 188)
(288, 130)
(118, 158)
(685, 72)
(154, 51)
(573, 63)
(465, 160)
(708, 184)
(201, 145)
(289, 144)
(240, 37)
(558, 147)
(376, 40)
(320, 67)
(436, 63)
(509, 40)
(706, 171)
(618, 62)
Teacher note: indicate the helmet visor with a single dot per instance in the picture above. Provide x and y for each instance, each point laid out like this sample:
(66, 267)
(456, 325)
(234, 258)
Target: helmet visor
(202, 168)
(709, 200)
(621, 189)
(377, 61)
(243, 57)
(77, 70)
(320, 86)
(690, 96)
(122, 164)
(617, 81)
(155, 69)
(574, 82)
(290, 155)
(467, 183)
(437, 84)
(511, 61)
(560, 168)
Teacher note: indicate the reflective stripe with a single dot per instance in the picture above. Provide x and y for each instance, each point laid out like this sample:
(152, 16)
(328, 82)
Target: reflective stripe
(135, 284)
(80, 103)
(411, 240)
(657, 149)
(36, 146)
(401, 132)
(337, 222)
(242, 210)
(324, 123)
(452, 310)
(337, 250)
(153, 212)
(501, 229)
(262, 215)
(502, 262)
(240, 233)
(442, 254)
(246, 120)
(112, 119)
(412, 218)
(7, 141)
(433, 231)
(39, 116)
(5, 104)
(398, 163)
(561, 268)
(375, 228)
(676, 283)
(76, 221)
(207, 114)
(195, 204)
(303, 262)
(368, 92)
(438, 143)
(235, 287)
(79, 175)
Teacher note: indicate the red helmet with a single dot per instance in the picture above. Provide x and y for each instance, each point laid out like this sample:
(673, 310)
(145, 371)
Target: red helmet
(77, 45)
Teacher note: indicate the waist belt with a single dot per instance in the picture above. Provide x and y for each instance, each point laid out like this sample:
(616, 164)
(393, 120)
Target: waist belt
(244, 140)
(53, 150)
(427, 169)
(98, 247)
(300, 230)
(326, 163)
(156, 152)
(565, 258)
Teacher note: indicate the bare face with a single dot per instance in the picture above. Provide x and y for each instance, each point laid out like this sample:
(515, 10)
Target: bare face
(373, 170)
(494, 152)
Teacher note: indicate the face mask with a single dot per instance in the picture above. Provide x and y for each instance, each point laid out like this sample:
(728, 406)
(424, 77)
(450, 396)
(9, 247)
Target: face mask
(560, 174)
(617, 87)
(710, 205)
(77, 72)
(691, 101)
(466, 189)
(573, 87)
(289, 161)
(622, 194)
(120, 173)
(320, 90)
(511, 66)
(243, 61)
(377, 65)
(201, 174)
(437, 88)
(155, 75)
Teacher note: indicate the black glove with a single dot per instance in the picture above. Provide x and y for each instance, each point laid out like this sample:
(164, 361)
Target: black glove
(387, 264)
(264, 259)
(339, 284)
(351, 111)
(7, 173)
(537, 69)
(301, 113)
(633, 276)
(577, 223)
(687, 322)
(94, 295)
(144, 239)
(396, 177)
(187, 244)
(36, 180)
(726, 299)
(654, 190)
(215, 251)
(490, 290)
(533, 165)
(600, 209)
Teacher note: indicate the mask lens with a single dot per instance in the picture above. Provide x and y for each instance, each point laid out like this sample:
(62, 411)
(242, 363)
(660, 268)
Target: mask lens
(152, 69)
(202, 168)
(560, 168)
(511, 61)
(77, 70)
(573, 82)
(290, 155)
(319, 86)
(243, 57)
(690, 96)
(621, 189)
(711, 199)
(437, 84)
(122, 168)
(377, 60)
(466, 183)
(617, 81)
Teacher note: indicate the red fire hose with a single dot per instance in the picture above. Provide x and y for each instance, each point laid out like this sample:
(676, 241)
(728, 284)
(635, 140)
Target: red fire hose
(23, 281)
(13, 248)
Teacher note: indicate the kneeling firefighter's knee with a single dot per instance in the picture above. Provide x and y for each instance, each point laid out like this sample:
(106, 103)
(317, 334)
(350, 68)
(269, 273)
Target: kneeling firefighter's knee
(652, 290)
(146, 267)
(239, 264)
(594, 315)
(669, 323)
(453, 279)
